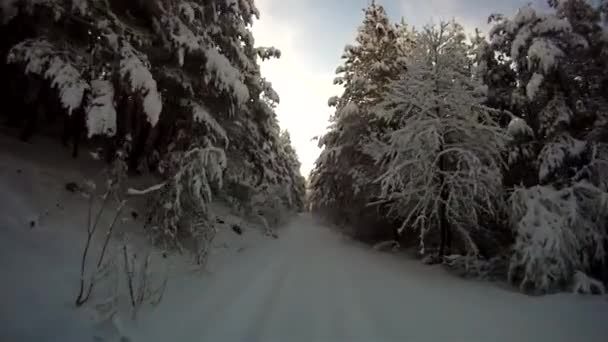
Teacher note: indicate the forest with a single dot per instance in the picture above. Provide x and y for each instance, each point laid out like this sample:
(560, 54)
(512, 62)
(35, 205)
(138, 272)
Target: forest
(169, 88)
(485, 152)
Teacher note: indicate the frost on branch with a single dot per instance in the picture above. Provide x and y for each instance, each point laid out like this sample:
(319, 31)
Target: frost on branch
(558, 233)
(41, 58)
(101, 113)
(135, 68)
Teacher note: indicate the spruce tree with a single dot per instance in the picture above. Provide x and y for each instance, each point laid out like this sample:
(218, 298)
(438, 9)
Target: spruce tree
(558, 141)
(342, 180)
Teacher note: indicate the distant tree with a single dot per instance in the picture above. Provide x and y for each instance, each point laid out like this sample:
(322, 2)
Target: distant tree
(342, 180)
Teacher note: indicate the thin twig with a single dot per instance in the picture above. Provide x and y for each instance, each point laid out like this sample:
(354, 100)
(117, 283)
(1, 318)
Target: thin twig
(90, 232)
(129, 272)
(104, 248)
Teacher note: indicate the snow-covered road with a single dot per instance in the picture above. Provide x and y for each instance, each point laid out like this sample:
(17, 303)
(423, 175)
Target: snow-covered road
(313, 285)
(309, 285)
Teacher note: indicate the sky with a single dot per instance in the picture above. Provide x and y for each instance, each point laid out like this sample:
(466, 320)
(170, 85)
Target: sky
(311, 35)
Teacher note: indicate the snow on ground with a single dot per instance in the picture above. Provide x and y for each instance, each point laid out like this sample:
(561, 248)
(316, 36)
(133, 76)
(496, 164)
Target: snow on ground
(40, 264)
(309, 285)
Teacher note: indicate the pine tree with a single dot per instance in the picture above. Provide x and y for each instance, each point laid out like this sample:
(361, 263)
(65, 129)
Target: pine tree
(169, 78)
(341, 182)
(558, 141)
(441, 163)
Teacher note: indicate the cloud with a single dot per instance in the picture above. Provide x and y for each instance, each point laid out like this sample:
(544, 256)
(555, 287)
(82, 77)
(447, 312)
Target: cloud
(303, 89)
(469, 13)
(311, 35)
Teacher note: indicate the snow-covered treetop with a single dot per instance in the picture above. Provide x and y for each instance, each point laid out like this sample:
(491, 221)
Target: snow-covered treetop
(374, 58)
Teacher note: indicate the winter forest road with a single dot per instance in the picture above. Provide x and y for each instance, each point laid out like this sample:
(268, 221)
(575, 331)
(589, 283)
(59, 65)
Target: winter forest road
(314, 285)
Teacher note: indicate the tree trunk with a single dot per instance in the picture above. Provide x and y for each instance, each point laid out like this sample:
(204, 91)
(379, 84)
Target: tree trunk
(445, 233)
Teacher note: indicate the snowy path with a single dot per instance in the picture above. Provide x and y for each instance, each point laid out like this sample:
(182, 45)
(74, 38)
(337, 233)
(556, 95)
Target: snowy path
(312, 285)
(309, 285)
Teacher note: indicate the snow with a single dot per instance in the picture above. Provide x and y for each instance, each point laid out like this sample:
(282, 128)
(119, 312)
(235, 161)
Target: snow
(153, 188)
(552, 23)
(187, 11)
(269, 92)
(80, 6)
(182, 37)
(268, 52)
(41, 58)
(557, 234)
(225, 76)
(101, 113)
(584, 284)
(520, 41)
(310, 284)
(554, 154)
(67, 80)
(519, 127)
(534, 85)
(135, 68)
(546, 53)
(524, 15)
(202, 115)
(349, 109)
(333, 101)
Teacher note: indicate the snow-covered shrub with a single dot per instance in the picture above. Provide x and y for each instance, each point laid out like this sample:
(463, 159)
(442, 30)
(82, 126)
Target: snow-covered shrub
(181, 209)
(558, 232)
(494, 268)
(583, 284)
